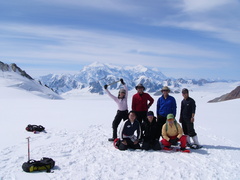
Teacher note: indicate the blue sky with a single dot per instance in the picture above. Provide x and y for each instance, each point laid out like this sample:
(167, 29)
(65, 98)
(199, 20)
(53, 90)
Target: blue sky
(183, 38)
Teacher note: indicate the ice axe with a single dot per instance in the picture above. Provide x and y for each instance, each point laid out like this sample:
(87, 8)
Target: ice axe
(113, 83)
(28, 148)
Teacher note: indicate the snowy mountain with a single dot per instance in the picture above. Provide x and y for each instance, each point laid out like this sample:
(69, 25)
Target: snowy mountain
(94, 76)
(14, 77)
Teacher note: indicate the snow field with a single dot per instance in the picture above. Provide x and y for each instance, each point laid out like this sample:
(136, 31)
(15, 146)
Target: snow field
(78, 129)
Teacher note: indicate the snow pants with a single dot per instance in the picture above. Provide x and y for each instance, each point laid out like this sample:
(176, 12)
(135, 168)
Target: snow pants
(161, 120)
(130, 145)
(141, 116)
(154, 144)
(119, 116)
(188, 127)
(183, 141)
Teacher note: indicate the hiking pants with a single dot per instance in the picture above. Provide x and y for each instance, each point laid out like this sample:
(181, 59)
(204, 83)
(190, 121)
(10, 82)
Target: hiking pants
(154, 144)
(130, 145)
(119, 116)
(188, 128)
(161, 120)
(183, 141)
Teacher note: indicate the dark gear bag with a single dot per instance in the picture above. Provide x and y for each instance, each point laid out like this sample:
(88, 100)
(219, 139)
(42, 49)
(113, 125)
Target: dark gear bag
(33, 128)
(44, 164)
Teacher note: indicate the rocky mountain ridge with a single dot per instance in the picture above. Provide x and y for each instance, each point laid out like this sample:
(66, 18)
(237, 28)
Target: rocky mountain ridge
(234, 94)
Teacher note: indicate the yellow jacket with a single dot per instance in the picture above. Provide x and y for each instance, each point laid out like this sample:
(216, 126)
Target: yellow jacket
(172, 131)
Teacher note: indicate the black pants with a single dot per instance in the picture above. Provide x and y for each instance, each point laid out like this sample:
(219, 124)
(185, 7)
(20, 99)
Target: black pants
(130, 145)
(188, 127)
(141, 116)
(119, 116)
(161, 120)
(153, 144)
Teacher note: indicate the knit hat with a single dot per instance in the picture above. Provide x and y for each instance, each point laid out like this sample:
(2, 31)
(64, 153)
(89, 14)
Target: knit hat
(185, 91)
(170, 116)
(140, 86)
(150, 113)
(122, 91)
(165, 88)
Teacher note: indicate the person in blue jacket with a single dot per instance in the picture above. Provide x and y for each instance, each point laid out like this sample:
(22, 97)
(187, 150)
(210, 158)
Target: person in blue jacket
(166, 104)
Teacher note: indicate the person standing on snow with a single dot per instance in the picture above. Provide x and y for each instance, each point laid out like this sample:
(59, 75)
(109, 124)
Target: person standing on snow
(166, 104)
(122, 112)
(141, 102)
(127, 137)
(172, 133)
(187, 113)
(151, 133)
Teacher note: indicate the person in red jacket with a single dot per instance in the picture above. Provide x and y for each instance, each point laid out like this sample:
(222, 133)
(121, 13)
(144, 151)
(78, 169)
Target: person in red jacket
(141, 102)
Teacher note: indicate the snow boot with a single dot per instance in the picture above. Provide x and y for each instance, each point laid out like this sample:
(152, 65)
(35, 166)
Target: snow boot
(111, 139)
(195, 144)
(188, 141)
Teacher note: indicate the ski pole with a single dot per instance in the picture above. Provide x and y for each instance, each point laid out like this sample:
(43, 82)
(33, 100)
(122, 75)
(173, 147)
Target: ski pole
(113, 83)
(28, 148)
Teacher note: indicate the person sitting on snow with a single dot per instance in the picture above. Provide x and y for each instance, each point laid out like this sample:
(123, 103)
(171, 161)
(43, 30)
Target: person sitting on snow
(172, 133)
(127, 136)
(151, 133)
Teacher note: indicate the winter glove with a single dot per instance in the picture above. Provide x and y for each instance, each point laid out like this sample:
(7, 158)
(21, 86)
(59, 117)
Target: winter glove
(173, 141)
(121, 80)
(105, 86)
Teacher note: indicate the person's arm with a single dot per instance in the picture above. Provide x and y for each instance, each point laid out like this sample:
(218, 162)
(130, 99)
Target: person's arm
(158, 107)
(193, 111)
(180, 131)
(164, 133)
(151, 100)
(133, 103)
(174, 107)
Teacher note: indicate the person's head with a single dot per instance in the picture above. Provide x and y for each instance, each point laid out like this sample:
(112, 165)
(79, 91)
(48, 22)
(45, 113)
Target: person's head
(132, 116)
(150, 116)
(185, 93)
(170, 118)
(121, 93)
(165, 90)
(140, 88)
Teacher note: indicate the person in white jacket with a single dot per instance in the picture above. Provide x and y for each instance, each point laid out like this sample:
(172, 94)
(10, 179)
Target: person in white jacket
(122, 112)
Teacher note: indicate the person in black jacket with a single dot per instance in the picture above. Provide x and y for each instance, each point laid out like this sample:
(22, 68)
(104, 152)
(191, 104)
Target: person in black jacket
(127, 133)
(187, 113)
(151, 133)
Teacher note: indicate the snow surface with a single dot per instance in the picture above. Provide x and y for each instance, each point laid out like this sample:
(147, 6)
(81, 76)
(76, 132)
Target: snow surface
(79, 126)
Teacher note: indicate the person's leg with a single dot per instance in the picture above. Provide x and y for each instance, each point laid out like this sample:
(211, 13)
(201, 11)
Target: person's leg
(146, 145)
(183, 141)
(165, 143)
(116, 122)
(161, 121)
(156, 145)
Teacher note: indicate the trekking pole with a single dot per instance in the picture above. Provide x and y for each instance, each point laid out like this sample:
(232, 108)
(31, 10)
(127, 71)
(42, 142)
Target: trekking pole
(28, 148)
(113, 83)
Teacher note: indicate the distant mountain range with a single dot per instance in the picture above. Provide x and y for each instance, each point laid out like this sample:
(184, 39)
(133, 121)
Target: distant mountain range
(94, 76)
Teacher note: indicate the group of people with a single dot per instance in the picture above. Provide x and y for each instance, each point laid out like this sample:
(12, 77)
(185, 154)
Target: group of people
(141, 125)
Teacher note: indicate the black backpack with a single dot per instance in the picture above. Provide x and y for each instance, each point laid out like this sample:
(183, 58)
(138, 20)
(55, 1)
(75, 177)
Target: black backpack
(44, 164)
(33, 128)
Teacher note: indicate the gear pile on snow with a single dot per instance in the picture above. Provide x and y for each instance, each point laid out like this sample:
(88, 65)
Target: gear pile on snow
(34, 128)
(44, 164)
